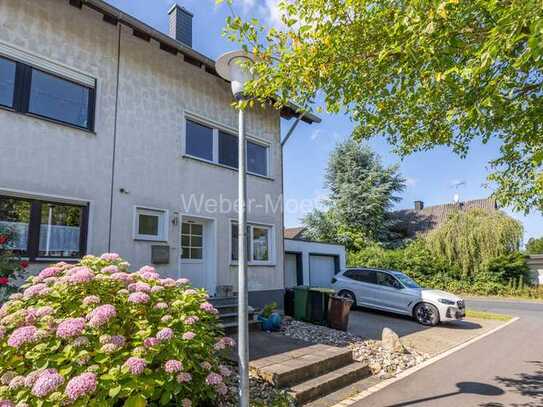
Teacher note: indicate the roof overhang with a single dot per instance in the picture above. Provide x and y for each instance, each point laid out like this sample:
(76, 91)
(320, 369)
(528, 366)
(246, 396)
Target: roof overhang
(113, 14)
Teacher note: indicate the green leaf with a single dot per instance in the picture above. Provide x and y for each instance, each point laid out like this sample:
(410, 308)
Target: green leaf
(114, 391)
(135, 401)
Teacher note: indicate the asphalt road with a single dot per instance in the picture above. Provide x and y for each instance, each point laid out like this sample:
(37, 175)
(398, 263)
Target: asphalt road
(503, 369)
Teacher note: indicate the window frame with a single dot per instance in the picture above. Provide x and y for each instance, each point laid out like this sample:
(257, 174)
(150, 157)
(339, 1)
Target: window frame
(187, 260)
(13, 96)
(34, 227)
(22, 94)
(217, 129)
(163, 227)
(271, 244)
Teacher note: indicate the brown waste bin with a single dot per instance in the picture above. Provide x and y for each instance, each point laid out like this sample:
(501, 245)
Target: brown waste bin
(338, 312)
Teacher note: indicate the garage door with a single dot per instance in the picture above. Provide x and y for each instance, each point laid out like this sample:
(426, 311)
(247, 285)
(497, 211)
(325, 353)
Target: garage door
(321, 270)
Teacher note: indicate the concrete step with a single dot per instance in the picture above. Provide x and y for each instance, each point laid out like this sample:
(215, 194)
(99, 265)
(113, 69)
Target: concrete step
(292, 368)
(218, 301)
(231, 328)
(327, 383)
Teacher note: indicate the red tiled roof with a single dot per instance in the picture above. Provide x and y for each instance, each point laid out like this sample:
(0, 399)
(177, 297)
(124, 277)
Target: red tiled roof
(294, 233)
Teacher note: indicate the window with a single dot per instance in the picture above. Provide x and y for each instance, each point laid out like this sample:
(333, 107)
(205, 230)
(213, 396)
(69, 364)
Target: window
(387, 280)
(150, 224)
(59, 99)
(259, 243)
(29, 90)
(192, 235)
(199, 140)
(228, 149)
(364, 276)
(7, 81)
(257, 158)
(45, 229)
(221, 147)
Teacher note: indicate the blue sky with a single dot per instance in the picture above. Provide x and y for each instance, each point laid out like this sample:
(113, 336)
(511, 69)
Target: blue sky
(430, 175)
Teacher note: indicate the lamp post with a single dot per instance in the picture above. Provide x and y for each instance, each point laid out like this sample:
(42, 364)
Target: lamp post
(229, 67)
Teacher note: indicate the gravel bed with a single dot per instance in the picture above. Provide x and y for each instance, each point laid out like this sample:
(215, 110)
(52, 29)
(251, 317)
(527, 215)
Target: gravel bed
(382, 363)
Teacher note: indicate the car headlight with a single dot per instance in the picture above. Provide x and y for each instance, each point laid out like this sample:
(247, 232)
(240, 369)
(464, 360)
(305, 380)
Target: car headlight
(447, 302)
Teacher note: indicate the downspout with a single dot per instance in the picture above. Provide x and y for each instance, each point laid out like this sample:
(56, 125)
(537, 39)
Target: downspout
(114, 139)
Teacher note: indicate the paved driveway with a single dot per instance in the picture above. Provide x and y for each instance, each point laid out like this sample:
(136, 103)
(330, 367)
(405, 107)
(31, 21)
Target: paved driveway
(503, 369)
(370, 324)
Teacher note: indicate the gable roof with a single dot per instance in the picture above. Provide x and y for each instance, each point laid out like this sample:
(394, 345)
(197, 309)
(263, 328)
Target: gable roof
(411, 222)
(141, 30)
(294, 233)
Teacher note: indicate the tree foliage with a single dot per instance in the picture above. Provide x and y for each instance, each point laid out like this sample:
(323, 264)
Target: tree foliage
(534, 246)
(423, 73)
(470, 238)
(362, 192)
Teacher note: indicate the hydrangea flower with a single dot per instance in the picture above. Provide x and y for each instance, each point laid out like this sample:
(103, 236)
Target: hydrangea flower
(16, 383)
(121, 276)
(136, 366)
(7, 377)
(47, 383)
(6, 403)
(148, 273)
(31, 378)
(123, 291)
(184, 377)
(206, 365)
(91, 300)
(44, 311)
(36, 290)
(229, 341)
(186, 403)
(80, 386)
(16, 296)
(49, 272)
(191, 320)
(22, 335)
(173, 366)
(164, 334)
(225, 371)
(2, 332)
(213, 379)
(157, 289)
(182, 281)
(101, 315)
(138, 298)
(71, 327)
(221, 389)
(149, 342)
(81, 342)
(188, 336)
(219, 345)
(110, 269)
(166, 318)
(208, 307)
(161, 305)
(139, 286)
(80, 275)
(167, 282)
(191, 291)
(110, 256)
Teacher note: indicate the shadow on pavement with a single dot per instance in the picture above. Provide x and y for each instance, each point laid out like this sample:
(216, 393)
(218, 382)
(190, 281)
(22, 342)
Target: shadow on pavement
(480, 389)
(527, 384)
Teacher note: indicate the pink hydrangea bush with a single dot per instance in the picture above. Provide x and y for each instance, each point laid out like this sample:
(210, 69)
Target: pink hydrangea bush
(95, 334)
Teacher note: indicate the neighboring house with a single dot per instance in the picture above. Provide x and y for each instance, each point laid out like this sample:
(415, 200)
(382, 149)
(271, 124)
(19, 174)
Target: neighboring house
(408, 223)
(116, 137)
(311, 263)
(535, 263)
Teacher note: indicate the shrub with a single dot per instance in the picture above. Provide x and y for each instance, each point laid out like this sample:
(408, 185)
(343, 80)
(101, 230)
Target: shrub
(11, 267)
(94, 334)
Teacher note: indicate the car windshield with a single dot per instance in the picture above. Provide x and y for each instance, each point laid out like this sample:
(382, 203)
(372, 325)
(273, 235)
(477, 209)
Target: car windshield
(406, 281)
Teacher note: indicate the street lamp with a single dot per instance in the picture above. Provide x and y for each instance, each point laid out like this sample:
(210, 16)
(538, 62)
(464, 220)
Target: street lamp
(230, 67)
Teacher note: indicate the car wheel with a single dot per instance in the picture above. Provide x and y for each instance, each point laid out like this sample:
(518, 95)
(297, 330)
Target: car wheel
(426, 314)
(348, 294)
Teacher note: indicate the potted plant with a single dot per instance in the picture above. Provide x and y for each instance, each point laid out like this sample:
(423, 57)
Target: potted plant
(11, 266)
(269, 319)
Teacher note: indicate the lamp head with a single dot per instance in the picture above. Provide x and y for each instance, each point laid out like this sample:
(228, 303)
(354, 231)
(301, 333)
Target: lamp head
(229, 67)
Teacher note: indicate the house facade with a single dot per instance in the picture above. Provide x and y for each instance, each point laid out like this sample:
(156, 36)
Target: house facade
(116, 137)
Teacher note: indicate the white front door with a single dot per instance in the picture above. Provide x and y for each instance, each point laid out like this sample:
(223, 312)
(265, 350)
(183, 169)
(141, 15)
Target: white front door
(321, 270)
(192, 262)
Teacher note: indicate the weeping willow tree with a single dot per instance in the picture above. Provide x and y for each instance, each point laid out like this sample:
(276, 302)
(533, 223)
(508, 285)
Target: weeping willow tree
(469, 238)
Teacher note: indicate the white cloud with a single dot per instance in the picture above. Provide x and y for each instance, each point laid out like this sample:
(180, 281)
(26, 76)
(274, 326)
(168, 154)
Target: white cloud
(411, 182)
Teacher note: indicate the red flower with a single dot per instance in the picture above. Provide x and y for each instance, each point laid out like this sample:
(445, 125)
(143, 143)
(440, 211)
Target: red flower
(3, 239)
(24, 264)
(4, 281)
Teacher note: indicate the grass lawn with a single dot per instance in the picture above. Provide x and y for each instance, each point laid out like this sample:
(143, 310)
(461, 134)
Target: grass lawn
(487, 315)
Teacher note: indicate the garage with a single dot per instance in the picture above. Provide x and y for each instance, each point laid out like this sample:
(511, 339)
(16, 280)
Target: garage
(312, 263)
(322, 269)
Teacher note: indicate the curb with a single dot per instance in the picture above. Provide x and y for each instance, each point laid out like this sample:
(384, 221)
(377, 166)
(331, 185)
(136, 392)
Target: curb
(387, 382)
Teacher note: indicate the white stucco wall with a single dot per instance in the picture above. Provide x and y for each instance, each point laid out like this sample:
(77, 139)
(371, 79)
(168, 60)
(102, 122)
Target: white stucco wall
(156, 89)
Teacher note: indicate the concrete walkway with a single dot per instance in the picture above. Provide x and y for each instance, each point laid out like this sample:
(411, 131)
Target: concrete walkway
(432, 341)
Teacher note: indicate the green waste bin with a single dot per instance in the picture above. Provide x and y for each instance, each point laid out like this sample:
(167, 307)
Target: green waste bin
(318, 304)
(301, 300)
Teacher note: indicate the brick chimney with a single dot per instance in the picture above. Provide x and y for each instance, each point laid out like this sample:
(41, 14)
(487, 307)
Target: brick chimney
(419, 205)
(181, 24)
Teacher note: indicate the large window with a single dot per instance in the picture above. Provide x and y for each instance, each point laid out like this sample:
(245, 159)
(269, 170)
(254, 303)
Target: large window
(259, 244)
(150, 224)
(59, 99)
(192, 235)
(45, 229)
(30, 90)
(221, 147)
(7, 81)
(199, 140)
